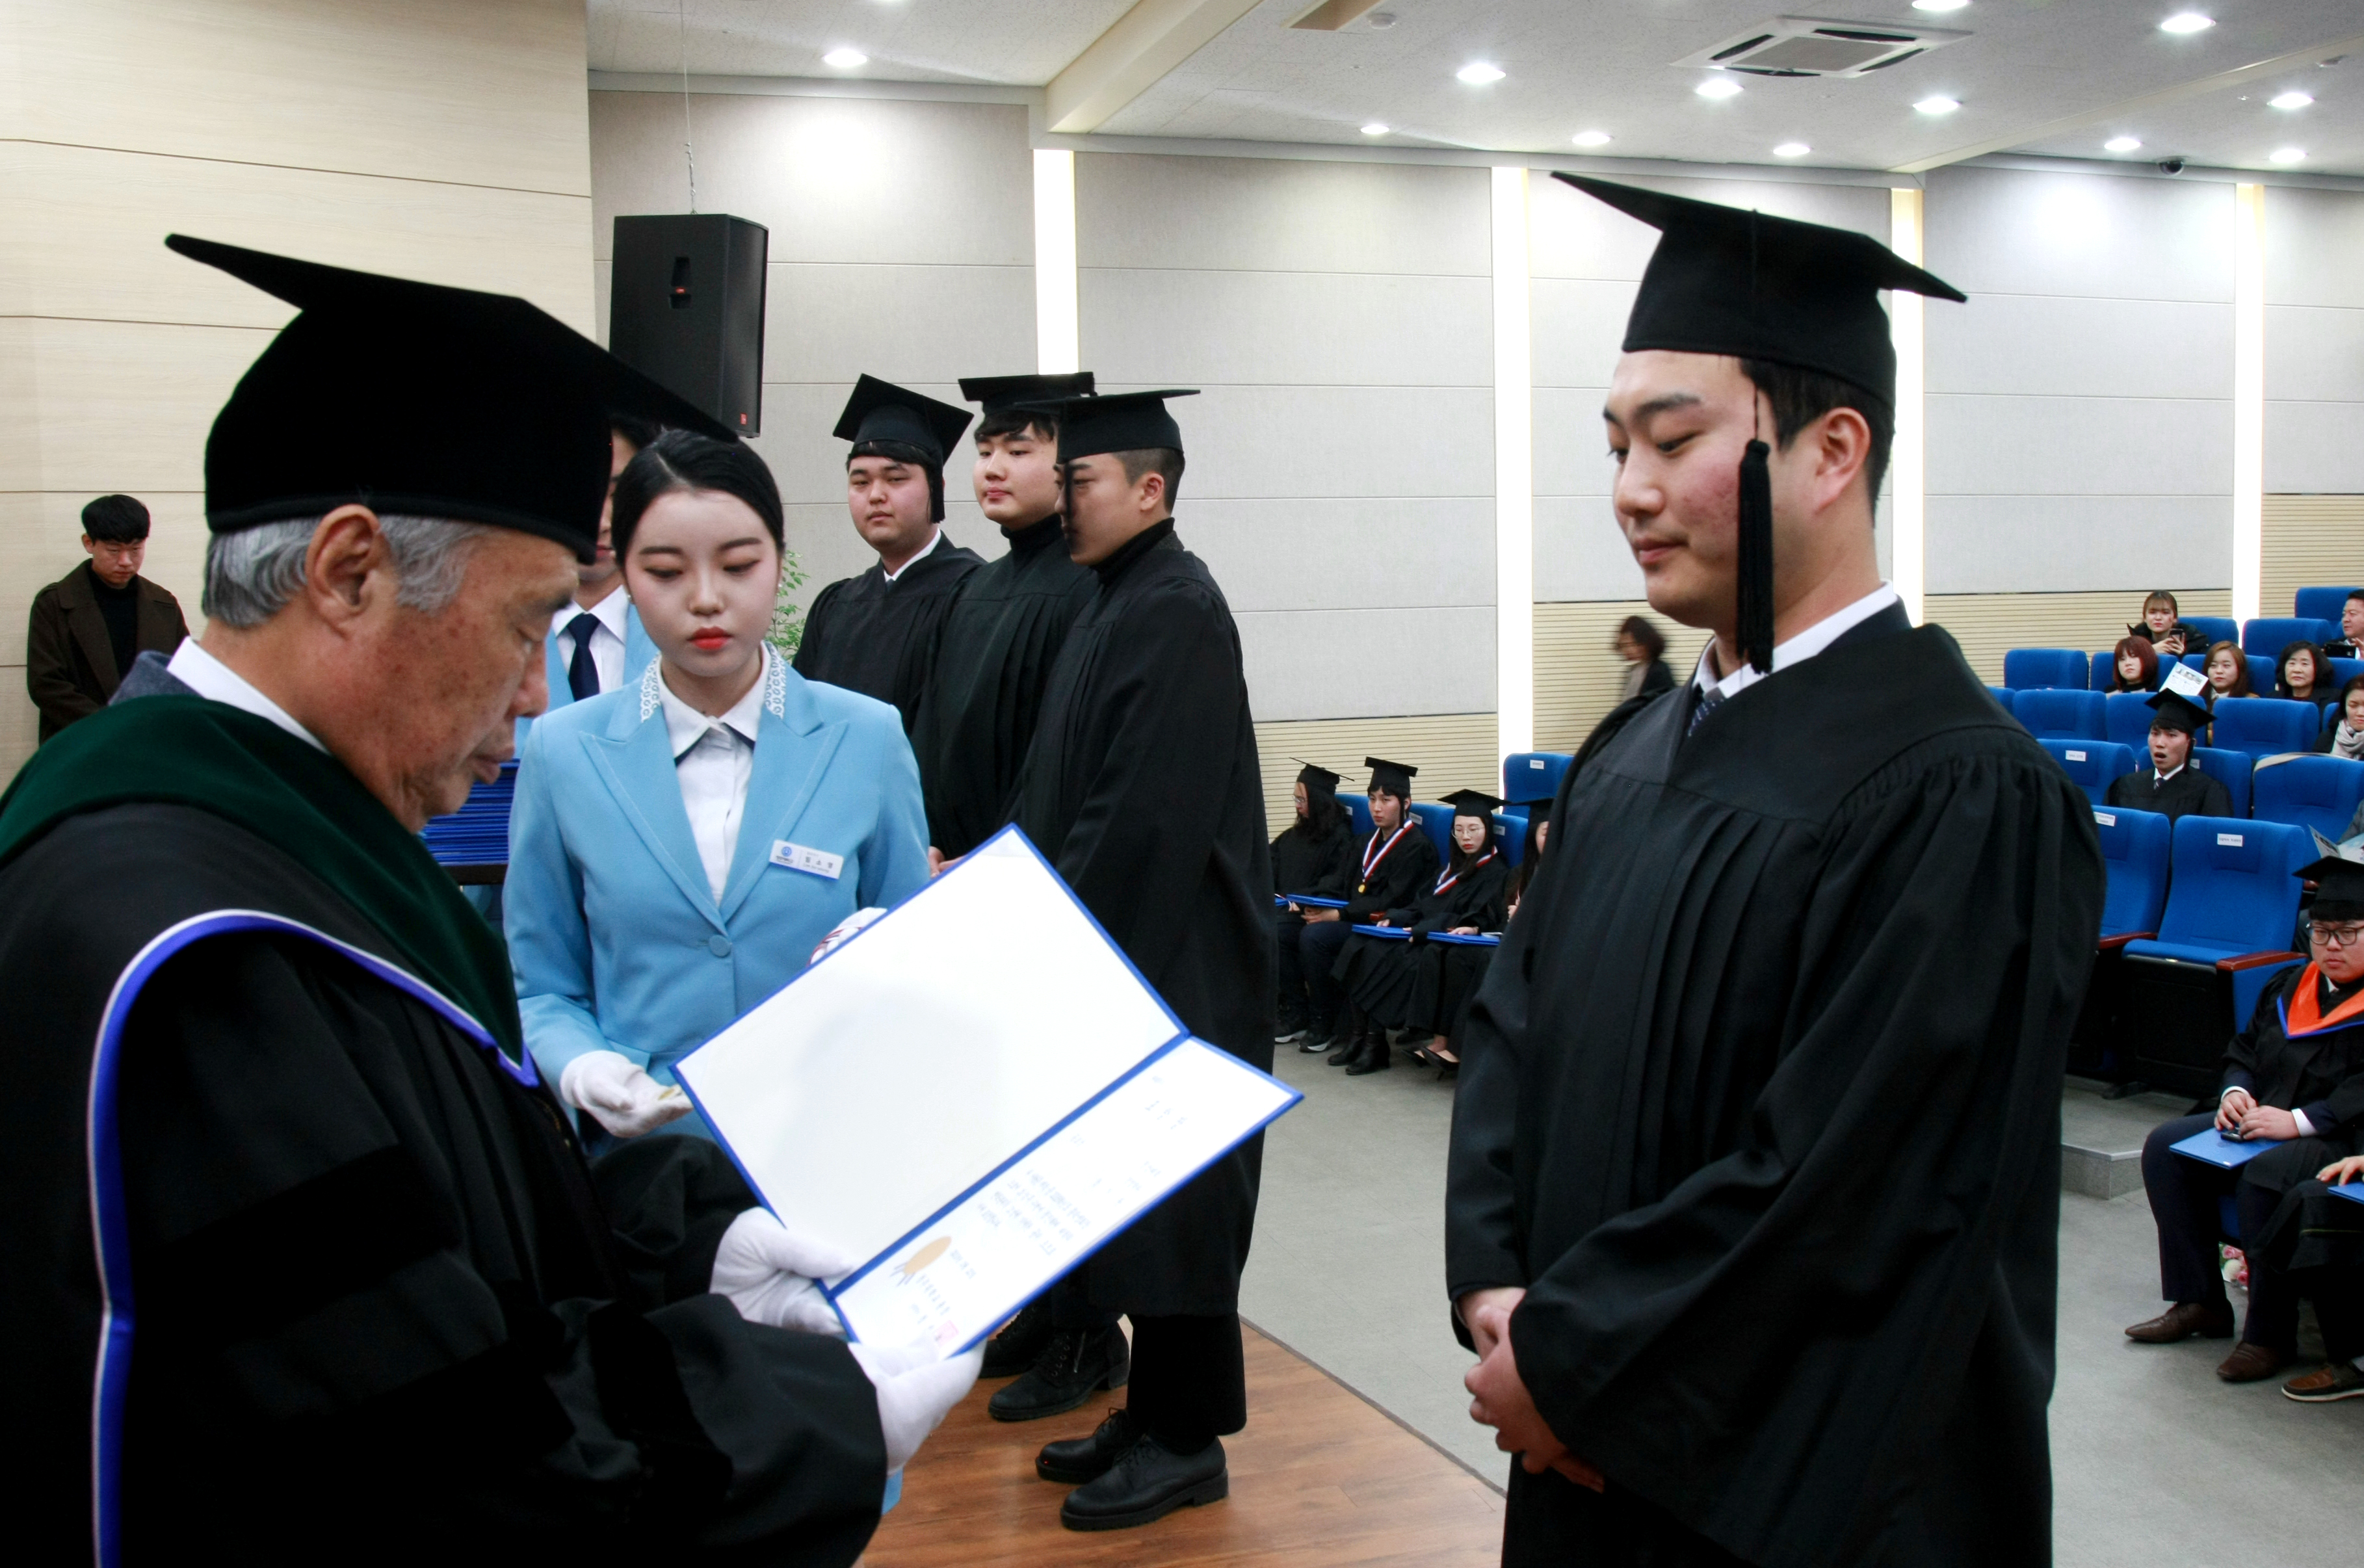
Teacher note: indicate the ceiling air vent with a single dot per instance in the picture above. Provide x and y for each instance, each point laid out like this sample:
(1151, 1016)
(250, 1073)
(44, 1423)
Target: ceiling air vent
(1815, 46)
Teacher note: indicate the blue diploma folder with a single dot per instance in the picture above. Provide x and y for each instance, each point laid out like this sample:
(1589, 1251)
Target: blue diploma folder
(2352, 1191)
(1311, 901)
(1385, 933)
(2211, 1147)
(1480, 940)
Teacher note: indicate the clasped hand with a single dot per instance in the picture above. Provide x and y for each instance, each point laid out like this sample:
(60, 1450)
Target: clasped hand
(2239, 1115)
(619, 1094)
(1500, 1397)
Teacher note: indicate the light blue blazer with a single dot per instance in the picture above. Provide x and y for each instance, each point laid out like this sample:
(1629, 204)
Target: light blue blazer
(615, 942)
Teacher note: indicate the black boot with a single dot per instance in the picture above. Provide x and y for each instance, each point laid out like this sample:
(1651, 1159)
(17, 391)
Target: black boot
(1351, 1037)
(1076, 1364)
(1021, 1345)
(1071, 1461)
(1375, 1057)
(1148, 1482)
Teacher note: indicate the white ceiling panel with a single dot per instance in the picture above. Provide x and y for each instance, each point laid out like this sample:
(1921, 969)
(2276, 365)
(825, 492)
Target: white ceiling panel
(1022, 42)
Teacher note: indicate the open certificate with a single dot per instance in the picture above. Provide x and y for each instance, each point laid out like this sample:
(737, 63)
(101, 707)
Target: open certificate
(972, 1094)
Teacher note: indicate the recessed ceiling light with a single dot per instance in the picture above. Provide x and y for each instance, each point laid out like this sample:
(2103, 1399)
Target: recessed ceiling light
(2287, 154)
(2292, 101)
(2122, 144)
(1939, 5)
(1940, 105)
(1591, 139)
(1374, 128)
(1477, 74)
(1718, 87)
(1791, 150)
(845, 59)
(2187, 22)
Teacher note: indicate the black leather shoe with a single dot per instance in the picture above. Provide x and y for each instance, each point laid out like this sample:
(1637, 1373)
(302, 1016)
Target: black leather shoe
(1147, 1482)
(1074, 1366)
(1019, 1345)
(1350, 1045)
(1375, 1058)
(1071, 1461)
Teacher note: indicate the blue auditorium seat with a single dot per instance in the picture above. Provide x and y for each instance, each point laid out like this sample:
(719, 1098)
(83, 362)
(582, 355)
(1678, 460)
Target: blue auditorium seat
(2048, 712)
(2094, 765)
(2026, 668)
(2135, 847)
(2320, 604)
(2342, 672)
(2213, 629)
(1359, 809)
(2321, 793)
(2231, 769)
(2270, 635)
(1510, 832)
(1436, 821)
(1528, 776)
(2126, 718)
(2102, 673)
(2000, 694)
(2264, 727)
(2261, 670)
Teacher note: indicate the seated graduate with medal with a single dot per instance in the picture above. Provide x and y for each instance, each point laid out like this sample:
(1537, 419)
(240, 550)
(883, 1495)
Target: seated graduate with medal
(1386, 981)
(680, 846)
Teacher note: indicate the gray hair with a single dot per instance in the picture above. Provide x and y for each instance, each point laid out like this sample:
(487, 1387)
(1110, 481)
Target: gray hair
(251, 575)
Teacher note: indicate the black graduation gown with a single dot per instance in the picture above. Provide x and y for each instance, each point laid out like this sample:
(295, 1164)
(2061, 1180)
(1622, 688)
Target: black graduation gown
(1385, 977)
(2321, 1074)
(1763, 1109)
(873, 637)
(1395, 881)
(2189, 793)
(1142, 789)
(377, 1308)
(1324, 865)
(1002, 632)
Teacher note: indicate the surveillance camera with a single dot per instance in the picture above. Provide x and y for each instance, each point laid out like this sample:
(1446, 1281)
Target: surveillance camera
(2171, 165)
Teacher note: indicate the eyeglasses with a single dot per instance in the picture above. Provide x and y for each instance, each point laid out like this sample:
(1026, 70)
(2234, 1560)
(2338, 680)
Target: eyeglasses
(2336, 935)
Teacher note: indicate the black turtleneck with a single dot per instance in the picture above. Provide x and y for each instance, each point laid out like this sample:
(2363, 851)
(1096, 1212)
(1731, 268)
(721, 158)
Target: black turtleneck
(1028, 538)
(1133, 548)
(119, 608)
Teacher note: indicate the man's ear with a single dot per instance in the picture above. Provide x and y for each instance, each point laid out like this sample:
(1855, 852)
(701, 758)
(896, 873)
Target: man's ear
(1841, 446)
(1153, 490)
(348, 548)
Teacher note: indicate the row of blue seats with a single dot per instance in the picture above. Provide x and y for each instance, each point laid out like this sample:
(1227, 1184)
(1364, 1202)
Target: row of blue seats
(1526, 775)
(2321, 793)
(2258, 727)
(2028, 669)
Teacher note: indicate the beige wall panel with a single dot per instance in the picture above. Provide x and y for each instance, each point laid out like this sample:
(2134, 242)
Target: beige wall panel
(1579, 675)
(1280, 215)
(21, 722)
(473, 92)
(112, 210)
(41, 541)
(2311, 542)
(123, 405)
(1452, 751)
(1988, 626)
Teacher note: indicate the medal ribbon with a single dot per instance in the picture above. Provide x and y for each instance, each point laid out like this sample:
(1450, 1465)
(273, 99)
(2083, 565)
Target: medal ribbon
(1379, 851)
(1451, 876)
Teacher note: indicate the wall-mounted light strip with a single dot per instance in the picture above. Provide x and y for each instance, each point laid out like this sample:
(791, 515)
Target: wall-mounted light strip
(1514, 473)
(1908, 468)
(2248, 398)
(1058, 347)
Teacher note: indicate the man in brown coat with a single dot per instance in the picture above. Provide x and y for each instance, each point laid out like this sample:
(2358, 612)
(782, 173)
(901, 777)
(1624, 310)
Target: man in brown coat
(88, 626)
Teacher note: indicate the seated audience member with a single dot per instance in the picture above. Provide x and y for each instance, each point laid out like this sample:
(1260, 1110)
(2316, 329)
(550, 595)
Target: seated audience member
(1644, 649)
(2133, 665)
(645, 910)
(1313, 854)
(2163, 627)
(2172, 785)
(1393, 863)
(2343, 726)
(2300, 674)
(2351, 629)
(88, 626)
(2316, 1241)
(2294, 1077)
(2228, 673)
(1465, 967)
(1390, 984)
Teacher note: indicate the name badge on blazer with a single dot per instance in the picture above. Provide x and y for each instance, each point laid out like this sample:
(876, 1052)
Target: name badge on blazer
(796, 857)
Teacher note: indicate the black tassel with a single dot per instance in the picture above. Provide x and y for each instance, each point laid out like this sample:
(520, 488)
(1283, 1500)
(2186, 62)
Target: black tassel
(1755, 586)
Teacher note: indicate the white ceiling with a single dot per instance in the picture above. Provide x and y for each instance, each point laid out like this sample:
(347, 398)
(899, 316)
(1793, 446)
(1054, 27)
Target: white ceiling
(1574, 65)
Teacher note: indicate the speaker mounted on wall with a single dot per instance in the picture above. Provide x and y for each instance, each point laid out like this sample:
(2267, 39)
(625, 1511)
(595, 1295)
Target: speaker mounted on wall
(686, 309)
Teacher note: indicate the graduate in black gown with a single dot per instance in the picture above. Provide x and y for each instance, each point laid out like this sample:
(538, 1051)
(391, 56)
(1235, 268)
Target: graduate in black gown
(1396, 985)
(2173, 785)
(304, 1261)
(1754, 1187)
(1006, 621)
(873, 633)
(1393, 863)
(1313, 854)
(1142, 789)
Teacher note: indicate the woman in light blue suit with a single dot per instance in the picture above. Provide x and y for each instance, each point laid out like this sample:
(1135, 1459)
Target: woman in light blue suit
(680, 846)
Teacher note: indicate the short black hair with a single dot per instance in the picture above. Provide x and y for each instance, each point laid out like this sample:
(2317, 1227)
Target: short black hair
(642, 433)
(1801, 396)
(1645, 636)
(1165, 461)
(684, 459)
(1010, 421)
(116, 518)
(2354, 595)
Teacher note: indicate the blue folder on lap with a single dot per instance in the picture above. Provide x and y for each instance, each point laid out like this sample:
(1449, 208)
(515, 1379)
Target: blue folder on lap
(1385, 933)
(1480, 940)
(2352, 1191)
(1313, 901)
(2211, 1147)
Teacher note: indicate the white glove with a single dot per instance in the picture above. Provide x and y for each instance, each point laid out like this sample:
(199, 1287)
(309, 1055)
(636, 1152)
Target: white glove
(625, 1099)
(768, 1273)
(839, 933)
(916, 1392)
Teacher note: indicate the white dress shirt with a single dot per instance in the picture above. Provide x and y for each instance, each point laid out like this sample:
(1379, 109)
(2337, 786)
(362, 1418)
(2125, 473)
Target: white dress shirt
(216, 681)
(926, 551)
(607, 619)
(714, 759)
(1797, 651)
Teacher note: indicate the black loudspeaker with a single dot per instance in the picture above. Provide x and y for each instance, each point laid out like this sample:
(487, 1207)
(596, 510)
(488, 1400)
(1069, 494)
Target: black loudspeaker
(687, 310)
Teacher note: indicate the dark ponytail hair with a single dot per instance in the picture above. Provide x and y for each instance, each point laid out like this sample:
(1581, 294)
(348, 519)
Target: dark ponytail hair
(684, 459)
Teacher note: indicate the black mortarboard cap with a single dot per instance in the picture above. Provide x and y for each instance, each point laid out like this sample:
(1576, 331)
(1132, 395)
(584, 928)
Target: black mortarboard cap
(1472, 803)
(2338, 887)
(885, 420)
(2173, 710)
(332, 411)
(998, 392)
(1393, 777)
(1731, 280)
(1116, 422)
(1313, 775)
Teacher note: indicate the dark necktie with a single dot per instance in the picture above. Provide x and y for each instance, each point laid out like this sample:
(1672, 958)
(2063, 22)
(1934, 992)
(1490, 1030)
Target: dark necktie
(1708, 702)
(582, 670)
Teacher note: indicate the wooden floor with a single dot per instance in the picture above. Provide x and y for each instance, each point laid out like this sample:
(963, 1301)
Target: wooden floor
(1318, 1478)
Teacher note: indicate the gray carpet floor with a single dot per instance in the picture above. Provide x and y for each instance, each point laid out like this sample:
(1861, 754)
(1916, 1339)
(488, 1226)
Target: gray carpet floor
(2155, 1461)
